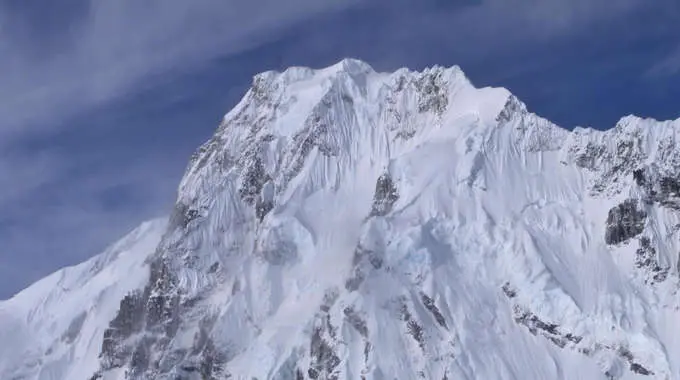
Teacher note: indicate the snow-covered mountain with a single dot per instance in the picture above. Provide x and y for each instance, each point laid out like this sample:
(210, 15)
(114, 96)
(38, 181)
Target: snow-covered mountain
(55, 328)
(348, 224)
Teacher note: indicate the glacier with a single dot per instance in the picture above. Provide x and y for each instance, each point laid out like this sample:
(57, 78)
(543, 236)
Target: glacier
(348, 224)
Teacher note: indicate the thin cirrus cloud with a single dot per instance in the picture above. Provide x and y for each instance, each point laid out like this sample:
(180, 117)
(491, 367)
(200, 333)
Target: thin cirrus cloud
(109, 47)
(98, 114)
(98, 50)
(666, 67)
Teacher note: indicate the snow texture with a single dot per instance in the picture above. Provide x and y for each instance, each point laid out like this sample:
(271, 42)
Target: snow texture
(348, 224)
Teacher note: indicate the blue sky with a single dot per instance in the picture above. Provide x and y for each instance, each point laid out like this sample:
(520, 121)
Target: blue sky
(102, 102)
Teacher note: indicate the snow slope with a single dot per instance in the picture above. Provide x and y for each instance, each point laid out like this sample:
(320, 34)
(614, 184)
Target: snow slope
(348, 224)
(54, 329)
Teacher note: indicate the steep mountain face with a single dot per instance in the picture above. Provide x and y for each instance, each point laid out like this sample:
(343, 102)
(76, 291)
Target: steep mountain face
(348, 224)
(54, 329)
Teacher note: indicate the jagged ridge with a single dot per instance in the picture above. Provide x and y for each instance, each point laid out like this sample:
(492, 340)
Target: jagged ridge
(347, 224)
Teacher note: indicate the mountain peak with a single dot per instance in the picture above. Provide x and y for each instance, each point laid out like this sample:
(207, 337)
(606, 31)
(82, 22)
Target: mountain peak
(341, 213)
(351, 66)
(327, 111)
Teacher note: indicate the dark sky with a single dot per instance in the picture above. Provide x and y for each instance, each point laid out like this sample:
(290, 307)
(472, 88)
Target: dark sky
(102, 103)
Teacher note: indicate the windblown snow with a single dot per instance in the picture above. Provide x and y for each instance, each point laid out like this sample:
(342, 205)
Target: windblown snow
(348, 224)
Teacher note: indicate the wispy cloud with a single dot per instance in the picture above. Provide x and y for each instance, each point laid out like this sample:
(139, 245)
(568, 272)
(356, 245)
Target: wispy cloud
(63, 58)
(668, 66)
(109, 47)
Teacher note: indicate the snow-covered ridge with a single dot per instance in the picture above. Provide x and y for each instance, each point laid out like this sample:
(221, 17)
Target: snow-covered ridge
(54, 328)
(339, 214)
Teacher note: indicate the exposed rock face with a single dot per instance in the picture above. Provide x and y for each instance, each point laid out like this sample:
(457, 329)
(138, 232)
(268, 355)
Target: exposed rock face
(660, 188)
(646, 259)
(567, 340)
(385, 196)
(625, 221)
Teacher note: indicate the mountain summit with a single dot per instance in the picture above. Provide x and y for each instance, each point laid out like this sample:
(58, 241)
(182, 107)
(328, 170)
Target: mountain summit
(348, 224)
